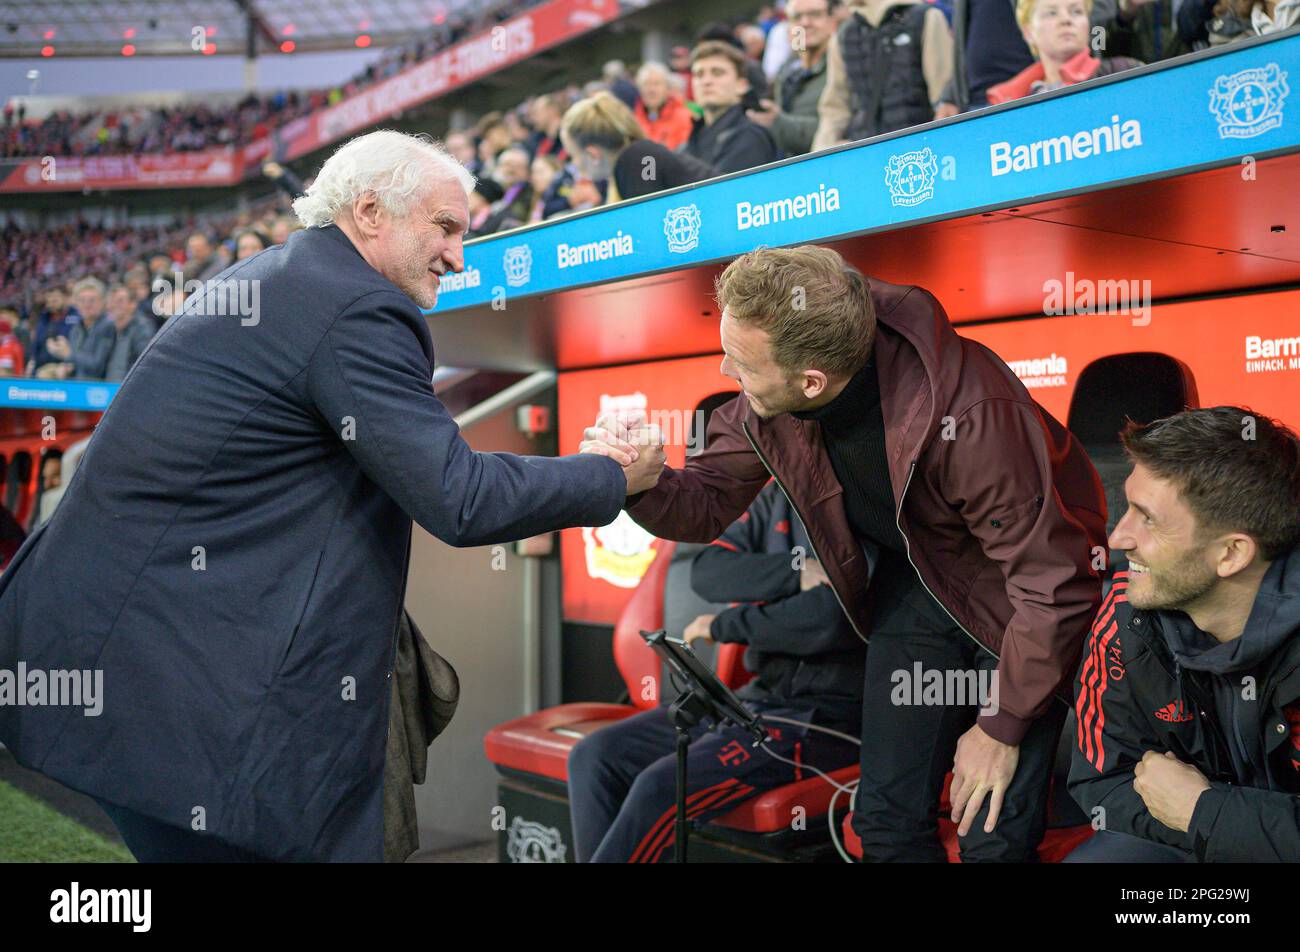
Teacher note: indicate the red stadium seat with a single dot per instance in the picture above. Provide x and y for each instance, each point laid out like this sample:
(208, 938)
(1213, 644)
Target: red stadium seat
(538, 744)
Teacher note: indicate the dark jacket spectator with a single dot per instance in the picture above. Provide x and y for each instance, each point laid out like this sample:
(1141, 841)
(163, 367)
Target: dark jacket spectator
(731, 143)
(646, 167)
(886, 70)
(798, 90)
(285, 179)
(1145, 30)
(55, 321)
(792, 113)
(725, 137)
(91, 346)
(751, 70)
(129, 341)
(607, 144)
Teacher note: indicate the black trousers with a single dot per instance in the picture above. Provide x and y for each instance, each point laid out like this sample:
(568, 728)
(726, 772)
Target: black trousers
(908, 749)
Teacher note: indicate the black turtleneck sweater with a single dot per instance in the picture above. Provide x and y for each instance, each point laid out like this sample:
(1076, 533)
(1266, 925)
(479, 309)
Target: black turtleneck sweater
(853, 429)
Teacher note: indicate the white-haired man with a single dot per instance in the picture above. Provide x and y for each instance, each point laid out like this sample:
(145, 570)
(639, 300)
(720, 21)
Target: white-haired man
(238, 531)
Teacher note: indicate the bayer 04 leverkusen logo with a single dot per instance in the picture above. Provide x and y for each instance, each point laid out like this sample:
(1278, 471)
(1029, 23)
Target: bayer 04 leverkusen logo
(682, 228)
(1249, 103)
(518, 265)
(910, 176)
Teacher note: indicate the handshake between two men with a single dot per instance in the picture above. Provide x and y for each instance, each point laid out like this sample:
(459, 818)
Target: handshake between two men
(629, 440)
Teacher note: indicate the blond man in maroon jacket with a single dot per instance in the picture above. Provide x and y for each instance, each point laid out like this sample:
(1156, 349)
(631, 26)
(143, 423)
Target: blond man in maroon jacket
(882, 424)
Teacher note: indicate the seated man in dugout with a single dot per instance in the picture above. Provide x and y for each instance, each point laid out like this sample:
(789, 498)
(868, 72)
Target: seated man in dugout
(807, 664)
(1188, 695)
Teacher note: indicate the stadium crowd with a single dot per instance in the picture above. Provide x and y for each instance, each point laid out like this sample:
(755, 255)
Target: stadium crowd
(802, 76)
(197, 126)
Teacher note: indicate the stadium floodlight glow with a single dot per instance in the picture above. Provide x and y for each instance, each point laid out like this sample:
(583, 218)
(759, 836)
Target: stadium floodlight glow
(128, 50)
(288, 46)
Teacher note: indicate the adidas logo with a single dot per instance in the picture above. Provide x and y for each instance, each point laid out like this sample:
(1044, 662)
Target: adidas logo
(1174, 713)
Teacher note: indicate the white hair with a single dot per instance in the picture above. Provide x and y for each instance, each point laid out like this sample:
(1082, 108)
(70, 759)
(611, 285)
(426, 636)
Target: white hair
(652, 67)
(397, 167)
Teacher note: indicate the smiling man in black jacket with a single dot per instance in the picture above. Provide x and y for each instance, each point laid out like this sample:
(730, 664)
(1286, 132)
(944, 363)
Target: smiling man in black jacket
(1189, 692)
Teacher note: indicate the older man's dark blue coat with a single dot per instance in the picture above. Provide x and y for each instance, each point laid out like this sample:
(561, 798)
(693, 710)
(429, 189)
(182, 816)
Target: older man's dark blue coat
(232, 554)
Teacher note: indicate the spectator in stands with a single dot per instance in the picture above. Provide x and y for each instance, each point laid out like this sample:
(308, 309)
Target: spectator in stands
(493, 137)
(758, 89)
(204, 261)
(249, 242)
(778, 48)
(679, 61)
(55, 323)
(662, 113)
(552, 185)
(519, 133)
(1146, 30)
(995, 52)
(1217, 22)
(753, 41)
(886, 69)
(1057, 33)
(168, 298)
(512, 174)
(808, 666)
(136, 280)
(793, 116)
(23, 322)
(614, 75)
(160, 263)
(131, 334)
(483, 219)
(283, 227)
(1189, 751)
(12, 359)
(546, 114)
(607, 144)
(461, 147)
(285, 179)
(83, 352)
(725, 138)
(52, 470)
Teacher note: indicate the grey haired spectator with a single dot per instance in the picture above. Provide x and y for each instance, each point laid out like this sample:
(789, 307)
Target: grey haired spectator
(793, 116)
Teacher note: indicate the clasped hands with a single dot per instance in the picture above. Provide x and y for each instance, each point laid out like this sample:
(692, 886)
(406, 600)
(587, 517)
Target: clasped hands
(636, 445)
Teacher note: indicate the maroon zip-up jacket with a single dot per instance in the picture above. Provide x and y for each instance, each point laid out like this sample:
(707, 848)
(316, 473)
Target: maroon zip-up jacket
(1001, 509)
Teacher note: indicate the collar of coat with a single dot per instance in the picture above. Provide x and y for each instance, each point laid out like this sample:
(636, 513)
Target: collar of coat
(1083, 65)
